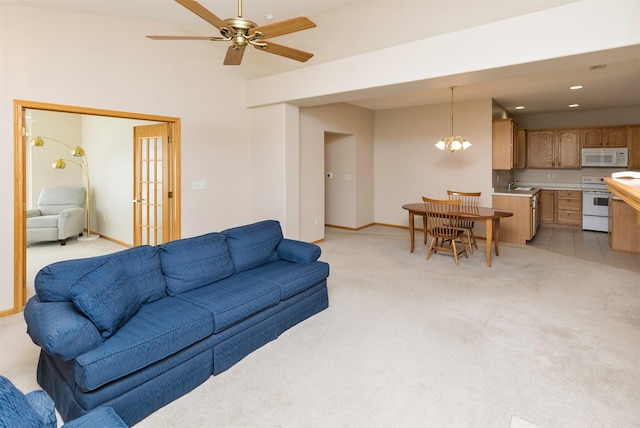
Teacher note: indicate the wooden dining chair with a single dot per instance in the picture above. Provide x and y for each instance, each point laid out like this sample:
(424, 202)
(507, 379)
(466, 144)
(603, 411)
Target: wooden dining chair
(469, 201)
(442, 219)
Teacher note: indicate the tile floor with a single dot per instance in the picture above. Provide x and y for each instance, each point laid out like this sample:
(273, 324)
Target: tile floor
(586, 245)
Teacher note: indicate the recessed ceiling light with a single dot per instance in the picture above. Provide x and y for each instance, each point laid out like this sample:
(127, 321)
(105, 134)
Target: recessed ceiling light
(519, 107)
(574, 105)
(269, 16)
(573, 88)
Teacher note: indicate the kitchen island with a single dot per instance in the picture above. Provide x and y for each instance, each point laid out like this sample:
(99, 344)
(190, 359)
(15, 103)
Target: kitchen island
(627, 189)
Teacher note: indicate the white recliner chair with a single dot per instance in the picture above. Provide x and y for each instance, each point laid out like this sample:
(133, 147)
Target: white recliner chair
(60, 215)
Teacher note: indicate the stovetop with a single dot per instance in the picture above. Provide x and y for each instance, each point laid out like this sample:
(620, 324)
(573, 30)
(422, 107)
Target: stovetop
(593, 182)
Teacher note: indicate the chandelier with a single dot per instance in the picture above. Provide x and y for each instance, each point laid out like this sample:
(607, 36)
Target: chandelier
(453, 142)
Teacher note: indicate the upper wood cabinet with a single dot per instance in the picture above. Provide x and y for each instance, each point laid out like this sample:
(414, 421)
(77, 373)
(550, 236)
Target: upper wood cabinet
(540, 150)
(591, 137)
(604, 137)
(521, 149)
(503, 139)
(633, 141)
(553, 148)
(567, 148)
(615, 137)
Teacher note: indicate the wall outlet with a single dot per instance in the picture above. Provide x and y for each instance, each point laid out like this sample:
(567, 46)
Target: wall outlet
(200, 184)
(315, 220)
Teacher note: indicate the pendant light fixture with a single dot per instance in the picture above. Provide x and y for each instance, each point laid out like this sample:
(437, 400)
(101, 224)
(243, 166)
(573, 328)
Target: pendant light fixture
(453, 142)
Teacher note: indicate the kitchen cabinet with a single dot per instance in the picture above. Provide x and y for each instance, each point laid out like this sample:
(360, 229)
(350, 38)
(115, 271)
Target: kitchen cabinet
(615, 137)
(569, 207)
(521, 148)
(540, 150)
(604, 137)
(624, 230)
(591, 137)
(553, 148)
(503, 136)
(519, 228)
(633, 141)
(547, 206)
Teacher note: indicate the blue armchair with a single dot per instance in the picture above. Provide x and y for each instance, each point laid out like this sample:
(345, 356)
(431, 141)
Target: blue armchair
(36, 409)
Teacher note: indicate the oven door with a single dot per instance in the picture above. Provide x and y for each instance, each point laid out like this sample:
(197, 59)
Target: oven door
(595, 203)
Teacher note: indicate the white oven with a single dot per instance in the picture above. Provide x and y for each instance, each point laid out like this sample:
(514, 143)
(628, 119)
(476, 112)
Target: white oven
(595, 204)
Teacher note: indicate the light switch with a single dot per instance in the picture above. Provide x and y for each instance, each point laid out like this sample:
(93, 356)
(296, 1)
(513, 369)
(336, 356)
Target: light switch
(200, 184)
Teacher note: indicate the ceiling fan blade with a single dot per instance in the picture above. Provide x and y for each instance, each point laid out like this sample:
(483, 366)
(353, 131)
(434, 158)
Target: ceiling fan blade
(285, 51)
(234, 55)
(203, 13)
(284, 27)
(185, 38)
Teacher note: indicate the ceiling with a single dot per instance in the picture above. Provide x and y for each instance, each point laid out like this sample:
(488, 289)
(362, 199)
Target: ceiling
(541, 87)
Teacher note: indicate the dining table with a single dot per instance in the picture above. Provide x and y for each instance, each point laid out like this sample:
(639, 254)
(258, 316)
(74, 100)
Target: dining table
(491, 216)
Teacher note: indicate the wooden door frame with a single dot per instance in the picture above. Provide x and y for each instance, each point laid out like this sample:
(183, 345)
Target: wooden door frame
(20, 177)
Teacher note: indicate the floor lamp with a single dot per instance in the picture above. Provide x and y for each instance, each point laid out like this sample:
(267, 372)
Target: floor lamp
(77, 152)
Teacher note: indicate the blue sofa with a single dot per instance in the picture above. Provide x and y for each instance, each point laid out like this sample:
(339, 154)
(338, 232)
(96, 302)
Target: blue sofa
(135, 330)
(36, 410)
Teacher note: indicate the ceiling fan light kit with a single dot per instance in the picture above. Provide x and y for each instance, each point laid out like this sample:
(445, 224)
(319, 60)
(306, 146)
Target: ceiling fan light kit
(242, 32)
(453, 142)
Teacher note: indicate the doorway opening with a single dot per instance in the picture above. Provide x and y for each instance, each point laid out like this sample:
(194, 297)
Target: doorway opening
(21, 144)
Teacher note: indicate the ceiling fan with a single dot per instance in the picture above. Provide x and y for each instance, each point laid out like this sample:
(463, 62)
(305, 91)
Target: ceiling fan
(242, 32)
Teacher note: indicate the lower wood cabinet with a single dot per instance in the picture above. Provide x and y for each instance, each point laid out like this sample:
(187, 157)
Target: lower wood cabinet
(547, 206)
(519, 228)
(624, 230)
(560, 206)
(569, 207)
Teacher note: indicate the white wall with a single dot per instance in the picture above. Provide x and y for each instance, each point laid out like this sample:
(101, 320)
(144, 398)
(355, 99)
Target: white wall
(107, 63)
(108, 143)
(408, 165)
(342, 119)
(66, 128)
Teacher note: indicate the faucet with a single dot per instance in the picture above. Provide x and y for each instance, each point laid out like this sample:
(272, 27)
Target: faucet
(511, 185)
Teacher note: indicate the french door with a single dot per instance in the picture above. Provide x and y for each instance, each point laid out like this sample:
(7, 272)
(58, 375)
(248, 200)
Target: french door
(153, 194)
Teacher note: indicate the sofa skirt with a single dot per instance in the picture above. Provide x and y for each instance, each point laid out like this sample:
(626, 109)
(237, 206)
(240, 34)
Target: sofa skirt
(136, 404)
(139, 394)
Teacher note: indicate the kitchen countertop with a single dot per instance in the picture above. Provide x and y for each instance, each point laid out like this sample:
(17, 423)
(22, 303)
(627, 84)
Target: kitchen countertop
(529, 192)
(628, 189)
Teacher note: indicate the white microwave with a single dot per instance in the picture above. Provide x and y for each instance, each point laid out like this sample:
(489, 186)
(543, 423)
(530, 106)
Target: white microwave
(605, 157)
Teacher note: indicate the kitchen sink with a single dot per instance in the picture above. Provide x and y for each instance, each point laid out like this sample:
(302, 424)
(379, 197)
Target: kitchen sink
(523, 188)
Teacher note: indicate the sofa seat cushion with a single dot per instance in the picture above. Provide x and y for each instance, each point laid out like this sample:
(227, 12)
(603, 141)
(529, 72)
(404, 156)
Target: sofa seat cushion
(191, 263)
(43, 221)
(254, 244)
(104, 296)
(234, 299)
(143, 273)
(157, 330)
(291, 278)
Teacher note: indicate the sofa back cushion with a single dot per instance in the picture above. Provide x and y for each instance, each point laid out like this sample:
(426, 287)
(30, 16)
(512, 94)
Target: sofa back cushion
(195, 262)
(105, 297)
(254, 244)
(142, 272)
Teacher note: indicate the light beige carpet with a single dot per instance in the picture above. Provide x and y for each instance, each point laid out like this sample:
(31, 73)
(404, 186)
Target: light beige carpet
(539, 339)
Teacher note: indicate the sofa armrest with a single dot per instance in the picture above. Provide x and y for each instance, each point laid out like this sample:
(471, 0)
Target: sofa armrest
(33, 213)
(298, 251)
(60, 329)
(103, 417)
